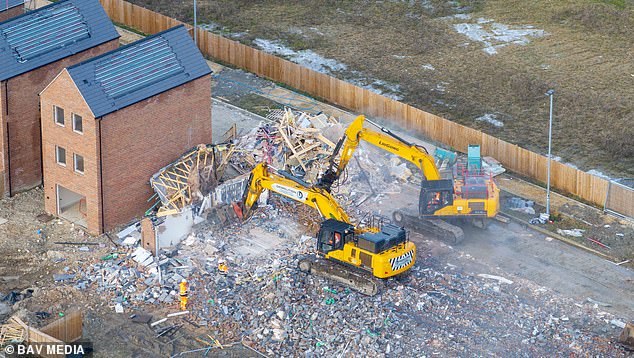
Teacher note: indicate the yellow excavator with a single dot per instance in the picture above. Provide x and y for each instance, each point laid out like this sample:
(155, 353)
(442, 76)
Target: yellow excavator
(467, 195)
(384, 251)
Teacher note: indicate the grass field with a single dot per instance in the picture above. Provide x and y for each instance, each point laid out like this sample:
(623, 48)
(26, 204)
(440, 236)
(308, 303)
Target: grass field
(584, 51)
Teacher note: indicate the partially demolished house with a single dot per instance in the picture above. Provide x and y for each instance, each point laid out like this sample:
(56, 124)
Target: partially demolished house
(11, 8)
(34, 48)
(130, 112)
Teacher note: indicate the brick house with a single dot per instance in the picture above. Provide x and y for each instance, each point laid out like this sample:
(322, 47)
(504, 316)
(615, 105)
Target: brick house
(11, 8)
(126, 114)
(34, 48)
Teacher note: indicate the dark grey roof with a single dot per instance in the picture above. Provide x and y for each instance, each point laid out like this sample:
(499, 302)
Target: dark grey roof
(52, 33)
(139, 70)
(7, 4)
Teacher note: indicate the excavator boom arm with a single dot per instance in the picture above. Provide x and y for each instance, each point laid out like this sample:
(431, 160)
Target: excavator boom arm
(389, 142)
(262, 178)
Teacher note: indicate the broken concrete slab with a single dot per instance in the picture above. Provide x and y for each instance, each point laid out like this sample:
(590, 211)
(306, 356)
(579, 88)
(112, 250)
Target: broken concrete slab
(141, 318)
(63, 277)
(130, 241)
(498, 278)
(142, 256)
(174, 228)
(127, 231)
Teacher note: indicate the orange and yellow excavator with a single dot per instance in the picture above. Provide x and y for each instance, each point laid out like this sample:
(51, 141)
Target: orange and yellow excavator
(470, 196)
(384, 252)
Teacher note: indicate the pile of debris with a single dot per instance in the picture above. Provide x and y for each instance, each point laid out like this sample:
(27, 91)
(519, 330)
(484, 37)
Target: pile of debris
(294, 141)
(130, 275)
(193, 176)
(266, 302)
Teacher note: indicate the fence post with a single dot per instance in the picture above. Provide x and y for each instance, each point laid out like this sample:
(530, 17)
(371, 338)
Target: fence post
(607, 196)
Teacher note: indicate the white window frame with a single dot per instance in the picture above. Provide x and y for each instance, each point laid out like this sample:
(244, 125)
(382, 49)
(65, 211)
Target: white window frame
(83, 163)
(57, 156)
(63, 124)
(73, 116)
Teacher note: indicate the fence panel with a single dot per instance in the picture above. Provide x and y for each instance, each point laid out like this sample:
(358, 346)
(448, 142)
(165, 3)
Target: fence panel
(354, 98)
(67, 329)
(620, 199)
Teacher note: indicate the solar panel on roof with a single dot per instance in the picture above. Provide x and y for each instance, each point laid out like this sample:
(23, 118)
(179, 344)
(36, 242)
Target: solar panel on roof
(45, 31)
(137, 66)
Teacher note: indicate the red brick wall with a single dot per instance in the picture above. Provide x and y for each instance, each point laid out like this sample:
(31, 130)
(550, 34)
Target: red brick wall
(139, 140)
(12, 12)
(63, 93)
(23, 118)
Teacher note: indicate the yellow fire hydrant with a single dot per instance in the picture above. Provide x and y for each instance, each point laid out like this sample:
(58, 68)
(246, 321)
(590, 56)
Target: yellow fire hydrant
(183, 293)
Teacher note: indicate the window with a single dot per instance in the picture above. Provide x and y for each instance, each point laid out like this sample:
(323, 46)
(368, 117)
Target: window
(78, 125)
(58, 113)
(79, 163)
(60, 155)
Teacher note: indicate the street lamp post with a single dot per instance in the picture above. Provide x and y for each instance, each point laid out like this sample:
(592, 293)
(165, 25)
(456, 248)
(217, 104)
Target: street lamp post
(195, 26)
(550, 93)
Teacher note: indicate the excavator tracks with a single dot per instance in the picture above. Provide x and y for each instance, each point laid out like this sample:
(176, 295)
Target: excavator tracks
(445, 231)
(353, 278)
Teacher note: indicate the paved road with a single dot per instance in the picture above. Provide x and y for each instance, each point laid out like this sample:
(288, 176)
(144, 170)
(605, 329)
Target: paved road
(512, 251)
(564, 269)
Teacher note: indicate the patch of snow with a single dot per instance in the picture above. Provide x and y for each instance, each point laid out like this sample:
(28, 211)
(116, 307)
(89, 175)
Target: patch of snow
(599, 174)
(572, 165)
(306, 58)
(215, 27)
(378, 86)
(316, 62)
(495, 35)
(441, 87)
(428, 67)
(457, 17)
(211, 26)
(316, 30)
(491, 119)
(400, 57)
(425, 4)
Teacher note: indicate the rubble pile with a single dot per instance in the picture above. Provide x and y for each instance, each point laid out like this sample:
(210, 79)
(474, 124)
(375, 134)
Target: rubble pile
(373, 173)
(262, 299)
(266, 302)
(432, 310)
(295, 141)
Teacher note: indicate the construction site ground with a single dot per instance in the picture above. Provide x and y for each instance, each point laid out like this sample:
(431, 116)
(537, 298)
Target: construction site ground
(537, 296)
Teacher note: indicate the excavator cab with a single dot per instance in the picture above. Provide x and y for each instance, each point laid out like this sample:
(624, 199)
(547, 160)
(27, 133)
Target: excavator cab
(435, 195)
(333, 234)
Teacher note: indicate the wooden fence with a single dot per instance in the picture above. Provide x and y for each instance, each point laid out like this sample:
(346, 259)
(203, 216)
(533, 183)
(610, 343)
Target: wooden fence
(563, 177)
(67, 329)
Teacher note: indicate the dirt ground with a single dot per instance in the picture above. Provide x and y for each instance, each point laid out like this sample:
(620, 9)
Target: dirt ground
(584, 53)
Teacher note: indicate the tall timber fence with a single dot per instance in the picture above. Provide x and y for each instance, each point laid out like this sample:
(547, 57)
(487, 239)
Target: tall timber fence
(563, 177)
